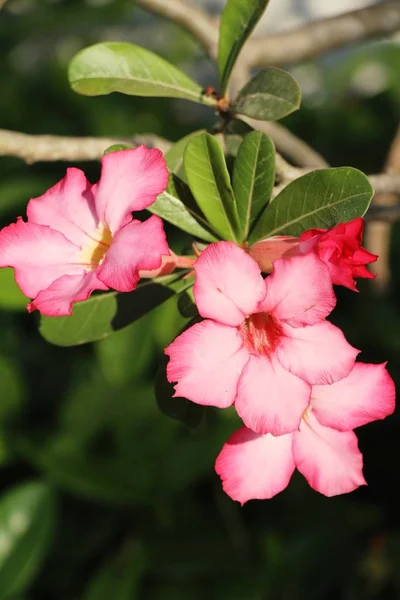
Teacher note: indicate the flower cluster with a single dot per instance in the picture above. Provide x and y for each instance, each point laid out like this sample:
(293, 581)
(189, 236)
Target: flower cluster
(264, 344)
(265, 347)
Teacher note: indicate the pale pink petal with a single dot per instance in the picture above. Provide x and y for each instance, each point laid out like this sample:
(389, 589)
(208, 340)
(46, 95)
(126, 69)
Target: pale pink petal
(38, 254)
(67, 207)
(270, 399)
(299, 291)
(58, 298)
(330, 460)
(319, 354)
(366, 395)
(137, 246)
(255, 467)
(206, 361)
(130, 180)
(228, 284)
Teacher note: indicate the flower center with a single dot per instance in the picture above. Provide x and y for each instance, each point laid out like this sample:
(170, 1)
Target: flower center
(260, 333)
(93, 252)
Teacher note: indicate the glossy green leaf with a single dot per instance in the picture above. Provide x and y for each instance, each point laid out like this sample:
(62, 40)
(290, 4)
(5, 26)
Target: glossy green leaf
(11, 297)
(27, 515)
(270, 95)
(170, 208)
(237, 22)
(129, 69)
(102, 314)
(322, 198)
(174, 156)
(253, 178)
(210, 184)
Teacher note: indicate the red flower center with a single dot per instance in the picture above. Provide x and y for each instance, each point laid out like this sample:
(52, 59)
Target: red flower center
(260, 333)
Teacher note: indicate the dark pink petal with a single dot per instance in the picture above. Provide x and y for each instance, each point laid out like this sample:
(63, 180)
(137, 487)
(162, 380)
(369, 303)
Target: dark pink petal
(299, 291)
(130, 180)
(58, 298)
(255, 467)
(366, 395)
(270, 399)
(354, 228)
(228, 285)
(206, 361)
(342, 274)
(38, 254)
(362, 257)
(318, 354)
(67, 207)
(137, 246)
(330, 460)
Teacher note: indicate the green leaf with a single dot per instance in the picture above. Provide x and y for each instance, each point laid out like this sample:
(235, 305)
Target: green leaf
(27, 515)
(322, 198)
(119, 578)
(129, 69)
(116, 148)
(210, 184)
(253, 178)
(174, 156)
(237, 22)
(11, 297)
(102, 314)
(172, 209)
(270, 95)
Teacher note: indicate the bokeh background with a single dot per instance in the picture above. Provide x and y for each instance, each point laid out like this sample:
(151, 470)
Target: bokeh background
(103, 496)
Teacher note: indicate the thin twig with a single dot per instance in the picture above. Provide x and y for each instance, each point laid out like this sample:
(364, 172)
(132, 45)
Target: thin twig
(288, 144)
(36, 148)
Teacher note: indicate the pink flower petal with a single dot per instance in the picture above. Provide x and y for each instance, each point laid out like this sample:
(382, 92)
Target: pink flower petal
(330, 460)
(206, 361)
(270, 399)
(318, 354)
(267, 251)
(228, 285)
(38, 254)
(137, 246)
(255, 467)
(58, 298)
(67, 207)
(130, 180)
(299, 291)
(366, 395)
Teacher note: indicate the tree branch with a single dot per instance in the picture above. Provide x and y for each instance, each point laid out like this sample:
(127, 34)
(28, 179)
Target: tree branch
(321, 37)
(190, 17)
(36, 148)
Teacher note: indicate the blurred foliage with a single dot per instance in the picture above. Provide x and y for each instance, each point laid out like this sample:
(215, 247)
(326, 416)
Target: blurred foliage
(101, 494)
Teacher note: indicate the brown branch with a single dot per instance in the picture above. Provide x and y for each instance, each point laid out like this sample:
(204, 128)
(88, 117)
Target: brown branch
(190, 17)
(36, 148)
(321, 37)
(288, 144)
(378, 234)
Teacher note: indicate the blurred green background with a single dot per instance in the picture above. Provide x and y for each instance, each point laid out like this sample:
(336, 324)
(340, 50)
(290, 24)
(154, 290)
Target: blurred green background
(103, 496)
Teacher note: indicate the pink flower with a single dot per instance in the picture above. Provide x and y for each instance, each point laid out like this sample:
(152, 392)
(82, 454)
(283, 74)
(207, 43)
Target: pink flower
(339, 248)
(263, 341)
(81, 237)
(324, 449)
